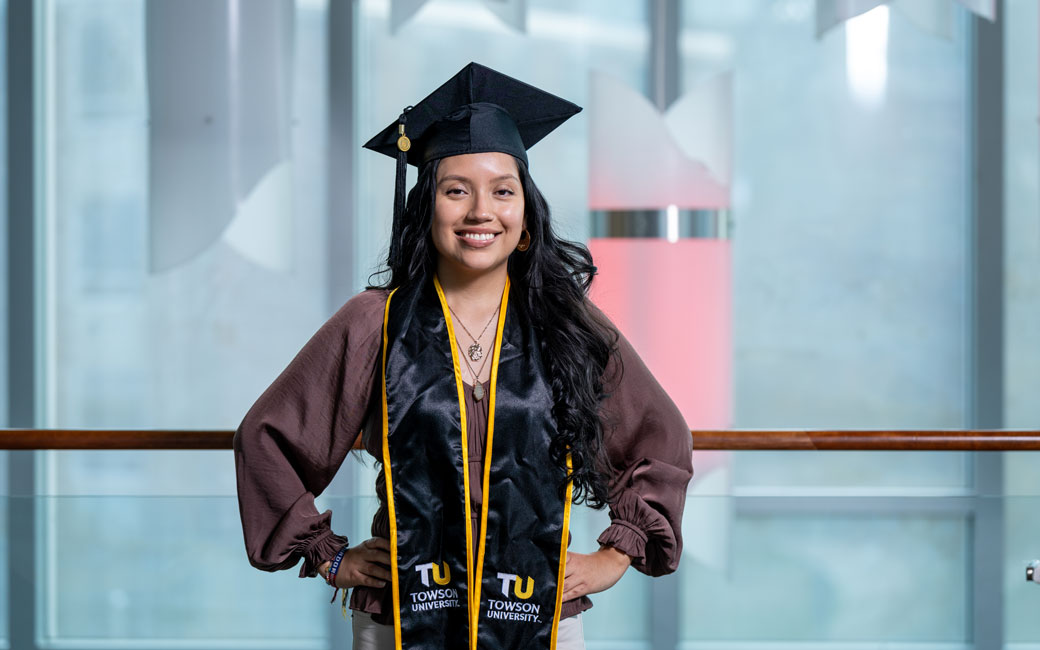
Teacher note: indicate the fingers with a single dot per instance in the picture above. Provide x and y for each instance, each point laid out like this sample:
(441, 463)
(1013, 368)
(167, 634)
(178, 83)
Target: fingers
(376, 571)
(573, 576)
(366, 564)
(375, 555)
(576, 565)
(376, 549)
(572, 591)
(358, 579)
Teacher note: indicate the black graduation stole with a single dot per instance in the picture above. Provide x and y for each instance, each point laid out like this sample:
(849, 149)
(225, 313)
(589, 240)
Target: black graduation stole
(521, 548)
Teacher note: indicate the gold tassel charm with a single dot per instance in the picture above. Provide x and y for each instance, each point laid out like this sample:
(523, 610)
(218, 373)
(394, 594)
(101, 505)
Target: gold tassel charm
(403, 143)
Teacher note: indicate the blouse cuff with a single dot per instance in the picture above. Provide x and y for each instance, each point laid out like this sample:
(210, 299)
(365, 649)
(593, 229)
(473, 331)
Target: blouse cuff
(319, 550)
(626, 538)
(642, 533)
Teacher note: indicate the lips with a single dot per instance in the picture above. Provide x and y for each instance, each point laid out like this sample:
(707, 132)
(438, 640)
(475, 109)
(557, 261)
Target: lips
(476, 239)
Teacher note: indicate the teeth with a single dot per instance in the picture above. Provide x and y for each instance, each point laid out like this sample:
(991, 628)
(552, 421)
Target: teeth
(478, 236)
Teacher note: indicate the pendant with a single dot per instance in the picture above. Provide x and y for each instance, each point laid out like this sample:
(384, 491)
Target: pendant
(478, 391)
(475, 352)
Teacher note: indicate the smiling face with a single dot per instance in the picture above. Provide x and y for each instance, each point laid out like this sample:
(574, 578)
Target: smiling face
(478, 214)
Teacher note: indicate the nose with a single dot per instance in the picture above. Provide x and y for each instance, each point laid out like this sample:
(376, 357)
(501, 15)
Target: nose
(480, 210)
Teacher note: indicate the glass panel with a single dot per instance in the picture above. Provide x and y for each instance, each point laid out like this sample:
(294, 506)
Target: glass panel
(1022, 547)
(849, 238)
(1022, 204)
(877, 472)
(4, 612)
(832, 577)
(193, 345)
(168, 568)
(851, 575)
(143, 338)
(207, 592)
(849, 247)
(3, 217)
(3, 318)
(1022, 310)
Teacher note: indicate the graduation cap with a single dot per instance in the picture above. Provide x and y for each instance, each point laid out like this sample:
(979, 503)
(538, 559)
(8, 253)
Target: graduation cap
(478, 110)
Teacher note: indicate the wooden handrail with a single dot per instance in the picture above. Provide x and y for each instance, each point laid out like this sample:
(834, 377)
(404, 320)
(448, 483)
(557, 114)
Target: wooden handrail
(851, 440)
(113, 439)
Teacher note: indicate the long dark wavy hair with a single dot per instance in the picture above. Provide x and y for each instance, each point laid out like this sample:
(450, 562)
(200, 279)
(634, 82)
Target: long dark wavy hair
(550, 284)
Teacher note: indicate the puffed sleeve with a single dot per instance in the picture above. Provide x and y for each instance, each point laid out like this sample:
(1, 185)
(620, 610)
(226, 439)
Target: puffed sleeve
(650, 448)
(294, 438)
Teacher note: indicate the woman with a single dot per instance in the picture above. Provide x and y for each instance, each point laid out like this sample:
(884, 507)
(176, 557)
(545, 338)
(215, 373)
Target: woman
(486, 435)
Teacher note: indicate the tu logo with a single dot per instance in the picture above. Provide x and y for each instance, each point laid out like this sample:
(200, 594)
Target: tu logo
(441, 573)
(521, 592)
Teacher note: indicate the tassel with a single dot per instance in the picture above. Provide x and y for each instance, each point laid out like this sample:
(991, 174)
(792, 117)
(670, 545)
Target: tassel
(396, 230)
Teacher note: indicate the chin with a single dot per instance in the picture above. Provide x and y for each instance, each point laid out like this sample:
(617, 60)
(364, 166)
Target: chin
(473, 267)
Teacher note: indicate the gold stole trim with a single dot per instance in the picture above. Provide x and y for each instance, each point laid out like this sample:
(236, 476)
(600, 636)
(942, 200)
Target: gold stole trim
(395, 586)
(563, 559)
(457, 370)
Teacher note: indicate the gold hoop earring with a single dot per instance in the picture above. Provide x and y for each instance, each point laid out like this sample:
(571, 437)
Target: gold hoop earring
(525, 241)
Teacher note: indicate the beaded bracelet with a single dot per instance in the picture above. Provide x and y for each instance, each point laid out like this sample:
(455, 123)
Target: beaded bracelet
(330, 578)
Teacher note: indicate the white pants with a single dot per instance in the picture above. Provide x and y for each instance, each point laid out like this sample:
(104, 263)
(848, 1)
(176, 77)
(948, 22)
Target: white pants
(369, 635)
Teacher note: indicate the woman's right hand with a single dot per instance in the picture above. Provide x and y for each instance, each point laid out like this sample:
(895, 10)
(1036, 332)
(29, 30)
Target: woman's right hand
(364, 565)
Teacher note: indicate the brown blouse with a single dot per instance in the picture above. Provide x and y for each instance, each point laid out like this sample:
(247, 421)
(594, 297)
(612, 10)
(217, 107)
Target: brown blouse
(294, 438)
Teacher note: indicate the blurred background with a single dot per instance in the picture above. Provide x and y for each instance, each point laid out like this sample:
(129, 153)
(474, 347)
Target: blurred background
(806, 215)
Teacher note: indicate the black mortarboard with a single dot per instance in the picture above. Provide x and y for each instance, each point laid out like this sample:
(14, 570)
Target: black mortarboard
(476, 111)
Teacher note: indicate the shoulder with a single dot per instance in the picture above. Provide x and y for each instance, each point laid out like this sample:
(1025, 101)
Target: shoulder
(363, 312)
(357, 324)
(601, 318)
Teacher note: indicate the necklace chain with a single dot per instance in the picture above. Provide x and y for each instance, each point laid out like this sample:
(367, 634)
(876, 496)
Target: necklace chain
(475, 352)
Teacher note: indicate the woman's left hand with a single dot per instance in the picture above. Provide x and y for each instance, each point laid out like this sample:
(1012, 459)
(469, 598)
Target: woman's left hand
(590, 573)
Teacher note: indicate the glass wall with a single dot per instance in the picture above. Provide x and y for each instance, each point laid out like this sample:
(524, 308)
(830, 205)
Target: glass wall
(186, 260)
(850, 244)
(3, 315)
(1022, 301)
(175, 322)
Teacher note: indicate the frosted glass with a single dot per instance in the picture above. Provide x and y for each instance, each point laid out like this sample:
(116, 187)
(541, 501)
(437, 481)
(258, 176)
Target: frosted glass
(849, 236)
(642, 159)
(3, 323)
(189, 347)
(4, 501)
(170, 568)
(883, 578)
(1021, 546)
(1022, 204)
(889, 471)
(1022, 310)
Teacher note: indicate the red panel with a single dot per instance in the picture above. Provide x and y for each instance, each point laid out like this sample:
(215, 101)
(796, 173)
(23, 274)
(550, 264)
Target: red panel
(672, 302)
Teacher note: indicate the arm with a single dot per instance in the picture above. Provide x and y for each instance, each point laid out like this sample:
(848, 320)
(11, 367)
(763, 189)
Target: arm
(293, 440)
(650, 449)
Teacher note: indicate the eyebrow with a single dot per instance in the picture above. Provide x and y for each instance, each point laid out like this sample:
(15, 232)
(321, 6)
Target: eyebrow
(464, 179)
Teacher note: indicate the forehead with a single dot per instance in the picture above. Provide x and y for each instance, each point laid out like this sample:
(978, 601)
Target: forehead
(491, 164)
